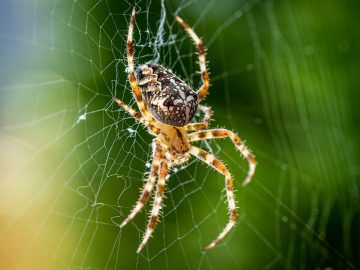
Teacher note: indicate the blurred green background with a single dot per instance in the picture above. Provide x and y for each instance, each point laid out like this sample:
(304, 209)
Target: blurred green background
(285, 77)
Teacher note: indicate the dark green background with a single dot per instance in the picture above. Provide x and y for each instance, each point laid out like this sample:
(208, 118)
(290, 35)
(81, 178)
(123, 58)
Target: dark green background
(285, 77)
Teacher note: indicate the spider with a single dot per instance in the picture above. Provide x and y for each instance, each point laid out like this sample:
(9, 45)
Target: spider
(167, 105)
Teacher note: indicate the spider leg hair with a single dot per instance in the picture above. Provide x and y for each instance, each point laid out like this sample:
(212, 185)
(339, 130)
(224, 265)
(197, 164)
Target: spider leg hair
(131, 111)
(148, 186)
(215, 163)
(131, 71)
(202, 61)
(224, 133)
(137, 116)
(204, 122)
(160, 187)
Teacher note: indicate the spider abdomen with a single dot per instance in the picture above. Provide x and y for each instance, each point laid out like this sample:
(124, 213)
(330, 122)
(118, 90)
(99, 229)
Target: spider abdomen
(169, 99)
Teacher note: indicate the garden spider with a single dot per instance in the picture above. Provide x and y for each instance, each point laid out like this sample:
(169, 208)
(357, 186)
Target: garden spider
(167, 105)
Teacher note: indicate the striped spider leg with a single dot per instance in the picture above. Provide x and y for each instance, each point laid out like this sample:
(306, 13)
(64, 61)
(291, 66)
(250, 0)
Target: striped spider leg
(202, 61)
(203, 124)
(159, 169)
(215, 163)
(160, 187)
(224, 133)
(147, 189)
(147, 123)
(131, 71)
(220, 167)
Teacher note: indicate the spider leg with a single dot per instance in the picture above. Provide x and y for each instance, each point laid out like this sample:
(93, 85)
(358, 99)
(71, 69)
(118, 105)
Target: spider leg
(148, 186)
(160, 187)
(224, 133)
(131, 111)
(137, 116)
(130, 68)
(202, 62)
(212, 161)
(204, 122)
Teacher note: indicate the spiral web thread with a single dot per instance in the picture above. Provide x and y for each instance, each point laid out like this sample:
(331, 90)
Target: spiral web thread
(100, 155)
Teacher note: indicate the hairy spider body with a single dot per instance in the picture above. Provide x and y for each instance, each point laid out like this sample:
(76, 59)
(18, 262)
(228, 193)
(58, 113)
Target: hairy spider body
(174, 139)
(169, 99)
(167, 106)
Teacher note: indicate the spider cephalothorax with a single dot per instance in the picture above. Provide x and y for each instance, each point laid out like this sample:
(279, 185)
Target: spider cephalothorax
(169, 99)
(167, 106)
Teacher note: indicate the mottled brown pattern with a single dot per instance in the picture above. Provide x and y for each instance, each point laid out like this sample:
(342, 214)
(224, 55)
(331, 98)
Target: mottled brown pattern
(169, 99)
(152, 222)
(130, 48)
(168, 105)
(236, 139)
(204, 122)
(233, 215)
(144, 197)
(219, 166)
(218, 133)
(202, 155)
(230, 184)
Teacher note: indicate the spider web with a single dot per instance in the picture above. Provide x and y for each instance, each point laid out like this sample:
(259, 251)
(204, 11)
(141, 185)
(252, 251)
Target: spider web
(73, 162)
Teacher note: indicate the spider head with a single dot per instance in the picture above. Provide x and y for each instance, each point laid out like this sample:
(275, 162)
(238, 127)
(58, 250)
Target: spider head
(173, 139)
(170, 100)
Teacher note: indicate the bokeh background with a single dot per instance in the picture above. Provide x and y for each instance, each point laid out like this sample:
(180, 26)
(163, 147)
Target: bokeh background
(285, 76)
